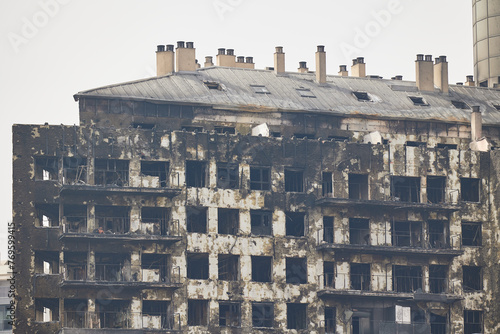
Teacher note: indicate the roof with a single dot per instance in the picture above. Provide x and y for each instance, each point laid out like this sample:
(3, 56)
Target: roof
(285, 92)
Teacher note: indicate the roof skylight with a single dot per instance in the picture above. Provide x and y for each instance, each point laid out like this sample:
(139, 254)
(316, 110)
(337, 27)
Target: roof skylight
(260, 89)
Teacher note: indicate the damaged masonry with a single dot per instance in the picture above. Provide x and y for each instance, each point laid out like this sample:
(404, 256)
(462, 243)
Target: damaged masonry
(228, 199)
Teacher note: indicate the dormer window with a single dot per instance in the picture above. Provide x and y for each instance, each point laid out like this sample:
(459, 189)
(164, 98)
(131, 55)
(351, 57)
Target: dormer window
(213, 85)
(418, 101)
(460, 105)
(362, 96)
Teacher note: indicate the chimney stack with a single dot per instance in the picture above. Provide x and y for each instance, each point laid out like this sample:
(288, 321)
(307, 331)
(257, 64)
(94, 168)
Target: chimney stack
(469, 81)
(186, 57)
(397, 77)
(424, 73)
(358, 68)
(303, 67)
(343, 71)
(227, 59)
(279, 60)
(321, 65)
(476, 124)
(441, 74)
(209, 61)
(165, 60)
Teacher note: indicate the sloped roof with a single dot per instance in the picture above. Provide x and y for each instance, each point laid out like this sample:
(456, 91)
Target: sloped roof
(390, 98)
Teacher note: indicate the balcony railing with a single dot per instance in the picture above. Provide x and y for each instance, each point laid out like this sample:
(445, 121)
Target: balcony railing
(120, 226)
(121, 320)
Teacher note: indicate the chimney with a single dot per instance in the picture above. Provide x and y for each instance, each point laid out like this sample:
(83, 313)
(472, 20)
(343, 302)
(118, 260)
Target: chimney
(358, 68)
(186, 57)
(441, 74)
(244, 63)
(476, 124)
(424, 73)
(279, 60)
(397, 77)
(321, 65)
(469, 81)
(303, 67)
(226, 59)
(343, 71)
(209, 61)
(164, 60)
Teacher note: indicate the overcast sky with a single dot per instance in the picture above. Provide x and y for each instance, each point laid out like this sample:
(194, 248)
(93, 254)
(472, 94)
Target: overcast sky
(52, 49)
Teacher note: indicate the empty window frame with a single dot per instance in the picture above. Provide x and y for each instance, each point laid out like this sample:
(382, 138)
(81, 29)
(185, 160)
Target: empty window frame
(155, 314)
(192, 128)
(360, 276)
(46, 309)
(111, 172)
(296, 270)
(196, 219)
(196, 173)
(407, 234)
(460, 104)
(471, 234)
(225, 129)
(418, 101)
(74, 170)
(436, 186)
(416, 143)
(294, 180)
(46, 262)
(112, 219)
(329, 274)
(145, 126)
(197, 312)
(406, 278)
(113, 313)
(213, 85)
(438, 278)
(262, 268)
(158, 170)
(111, 267)
(339, 139)
(438, 234)
(447, 146)
(197, 265)
(304, 135)
(263, 315)
(359, 231)
(328, 235)
(228, 221)
(472, 278)
(155, 268)
(227, 176)
(261, 222)
(46, 168)
(358, 186)
(228, 267)
(47, 215)
(295, 224)
(405, 189)
(327, 184)
(75, 264)
(330, 320)
(155, 220)
(296, 315)
(362, 96)
(260, 178)
(75, 313)
(473, 322)
(469, 189)
(75, 218)
(438, 324)
(229, 314)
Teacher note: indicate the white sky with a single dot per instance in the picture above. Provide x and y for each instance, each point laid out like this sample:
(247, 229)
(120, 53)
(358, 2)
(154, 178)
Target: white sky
(52, 49)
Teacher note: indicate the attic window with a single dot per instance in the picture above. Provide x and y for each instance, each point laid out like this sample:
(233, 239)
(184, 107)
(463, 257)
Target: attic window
(497, 106)
(418, 100)
(304, 92)
(213, 85)
(362, 96)
(260, 89)
(460, 105)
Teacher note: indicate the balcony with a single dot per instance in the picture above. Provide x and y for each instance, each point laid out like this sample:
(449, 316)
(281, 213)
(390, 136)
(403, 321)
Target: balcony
(77, 275)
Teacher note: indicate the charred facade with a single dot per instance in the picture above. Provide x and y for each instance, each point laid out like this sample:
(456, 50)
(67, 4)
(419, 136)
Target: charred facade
(235, 200)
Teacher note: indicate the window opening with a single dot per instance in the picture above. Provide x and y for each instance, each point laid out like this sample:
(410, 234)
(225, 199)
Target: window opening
(263, 315)
(262, 270)
(112, 267)
(196, 219)
(112, 314)
(213, 85)
(46, 262)
(145, 126)
(407, 234)
(260, 178)
(294, 180)
(225, 129)
(327, 184)
(472, 280)
(76, 266)
(358, 186)
(155, 314)
(330, 320)
(438, 234)
(304, 135)
(74, 170)
(469, 189)
(473, 322)
(229, 267)
(75, 218)
(339, 139)
(438, 324)
(197, 266)
(360, 276)
(111, 172)
(260, 89)
(460, 105)
(405, 189)
(157, 171)
(46, 309)
(436, 189)
(154, 220)
(359, 231)
(192, 129)
(328, 235)
(197, 312)
(438, 278)
(296, 270)
(296, 315)
(227, 176)
(155, 268)
(416, 143)
(46, 168)
(329, 274)
(228, 221)
(471, 234)
(47, 215)
(261, 221)
(406, 278)
(196, 173)
(418, 101)
(75, 313)
(304, 92)
(362, 96)
(229, 314)
(112, 219)
(447, 146)
(295, 224)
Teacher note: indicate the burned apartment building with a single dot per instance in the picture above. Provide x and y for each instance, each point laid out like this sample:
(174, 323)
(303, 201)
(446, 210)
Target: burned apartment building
(229, 199)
